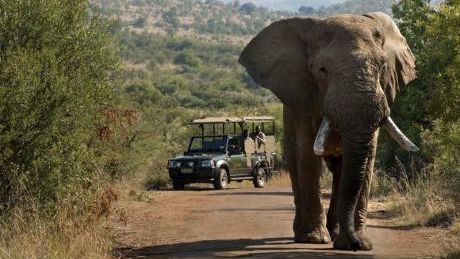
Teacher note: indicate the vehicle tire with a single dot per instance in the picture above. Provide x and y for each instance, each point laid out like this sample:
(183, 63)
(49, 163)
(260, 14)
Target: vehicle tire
(178, 185)
(260, 177)
(221, 180)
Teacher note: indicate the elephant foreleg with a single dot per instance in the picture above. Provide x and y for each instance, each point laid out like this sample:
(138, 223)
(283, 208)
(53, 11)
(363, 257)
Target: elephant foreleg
(305, 169)
(290, 158)
(334, 164)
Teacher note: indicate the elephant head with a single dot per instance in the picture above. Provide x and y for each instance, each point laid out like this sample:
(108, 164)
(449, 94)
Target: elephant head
(339, 73)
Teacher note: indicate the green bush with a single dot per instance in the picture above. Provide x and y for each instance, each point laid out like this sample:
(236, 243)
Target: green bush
(56, 78)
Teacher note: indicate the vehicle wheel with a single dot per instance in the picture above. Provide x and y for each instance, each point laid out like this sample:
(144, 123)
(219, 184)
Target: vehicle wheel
(178, 185)
(259, 178)
(221, 180)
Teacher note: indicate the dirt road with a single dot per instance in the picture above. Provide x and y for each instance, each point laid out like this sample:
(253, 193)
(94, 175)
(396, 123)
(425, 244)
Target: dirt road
(245, 223)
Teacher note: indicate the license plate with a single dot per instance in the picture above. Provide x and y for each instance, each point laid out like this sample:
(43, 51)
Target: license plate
(186, 170)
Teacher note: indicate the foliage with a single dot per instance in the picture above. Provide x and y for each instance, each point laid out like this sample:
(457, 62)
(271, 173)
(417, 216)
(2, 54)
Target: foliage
(432, 100)
(56, 77)
(428, 108)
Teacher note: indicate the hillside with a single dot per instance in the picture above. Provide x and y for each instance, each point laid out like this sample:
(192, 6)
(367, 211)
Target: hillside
(289, 5)
(197, 44)
(213, 19)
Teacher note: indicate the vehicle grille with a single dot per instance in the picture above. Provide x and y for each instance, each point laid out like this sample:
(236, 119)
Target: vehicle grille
(187, 167)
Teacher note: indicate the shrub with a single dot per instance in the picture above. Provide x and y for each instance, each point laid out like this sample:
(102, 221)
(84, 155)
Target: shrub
(56, 76)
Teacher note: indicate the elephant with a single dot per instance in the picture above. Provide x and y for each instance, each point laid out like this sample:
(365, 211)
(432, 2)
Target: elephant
(336, 78)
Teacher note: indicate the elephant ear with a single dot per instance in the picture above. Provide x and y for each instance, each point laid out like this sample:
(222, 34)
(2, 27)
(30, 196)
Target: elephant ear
(277, 58)
(400, 68)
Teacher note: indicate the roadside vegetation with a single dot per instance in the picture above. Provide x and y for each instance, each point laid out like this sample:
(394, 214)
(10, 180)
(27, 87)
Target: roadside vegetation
(58, 75)
(96, 96)
(426, 186)
(428, 109)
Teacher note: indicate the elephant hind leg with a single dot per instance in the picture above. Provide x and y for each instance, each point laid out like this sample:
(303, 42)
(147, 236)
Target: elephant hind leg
(334, 164)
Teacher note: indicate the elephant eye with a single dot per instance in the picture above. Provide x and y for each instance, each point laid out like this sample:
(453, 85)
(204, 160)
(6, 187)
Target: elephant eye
(322, 72)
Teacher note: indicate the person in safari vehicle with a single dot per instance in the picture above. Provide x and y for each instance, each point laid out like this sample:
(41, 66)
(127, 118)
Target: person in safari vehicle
(259, 137)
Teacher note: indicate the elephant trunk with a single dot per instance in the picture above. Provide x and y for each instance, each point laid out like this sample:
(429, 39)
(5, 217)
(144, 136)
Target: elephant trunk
(356, 155)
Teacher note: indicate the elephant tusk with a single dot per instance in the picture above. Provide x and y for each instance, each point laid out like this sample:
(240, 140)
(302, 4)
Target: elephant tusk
(398, 136)
(323, 132)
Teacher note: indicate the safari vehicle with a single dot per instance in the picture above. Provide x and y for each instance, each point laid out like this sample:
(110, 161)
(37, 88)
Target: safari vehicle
(226, 150)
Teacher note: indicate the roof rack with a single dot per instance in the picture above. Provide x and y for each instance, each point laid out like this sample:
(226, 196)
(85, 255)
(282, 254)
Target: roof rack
(216, 121)
(249, 119)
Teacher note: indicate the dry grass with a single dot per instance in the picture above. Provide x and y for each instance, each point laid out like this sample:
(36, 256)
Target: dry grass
(281, 179)
(382, 186)
(37, 238)
(278, 179)
(421, 202)
(452, 246)
(69, 233)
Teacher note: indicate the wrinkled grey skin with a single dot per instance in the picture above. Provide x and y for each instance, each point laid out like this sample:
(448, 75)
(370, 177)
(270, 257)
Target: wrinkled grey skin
(347, 68)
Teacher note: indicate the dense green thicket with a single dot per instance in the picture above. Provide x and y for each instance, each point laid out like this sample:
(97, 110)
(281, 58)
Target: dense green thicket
(428, 109)
(57, 64)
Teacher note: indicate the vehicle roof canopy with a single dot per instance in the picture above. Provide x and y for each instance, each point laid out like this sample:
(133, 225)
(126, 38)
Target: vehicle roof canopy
(250, 119)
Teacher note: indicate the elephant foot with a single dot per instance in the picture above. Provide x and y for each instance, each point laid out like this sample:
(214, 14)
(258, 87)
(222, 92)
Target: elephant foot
(317, 236)
(362, 235)
(333, 231)
(354, 241)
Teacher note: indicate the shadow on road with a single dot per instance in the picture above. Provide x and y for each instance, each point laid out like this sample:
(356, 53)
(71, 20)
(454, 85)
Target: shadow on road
(274, 209)
(243, 193)
(403, 227)
(326, 196)
(241, 248)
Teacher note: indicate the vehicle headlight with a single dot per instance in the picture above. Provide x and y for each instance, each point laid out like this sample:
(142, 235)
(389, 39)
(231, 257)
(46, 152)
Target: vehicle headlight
(208, 163)
(173, 164)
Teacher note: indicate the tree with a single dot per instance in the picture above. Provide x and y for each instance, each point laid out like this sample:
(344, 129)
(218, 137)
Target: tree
(430, 104)
(248, 8)
(189, 58)
(56, 78)
(139, 22)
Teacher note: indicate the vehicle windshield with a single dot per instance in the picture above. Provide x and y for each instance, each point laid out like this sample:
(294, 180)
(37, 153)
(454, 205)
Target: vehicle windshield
(208, 144)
